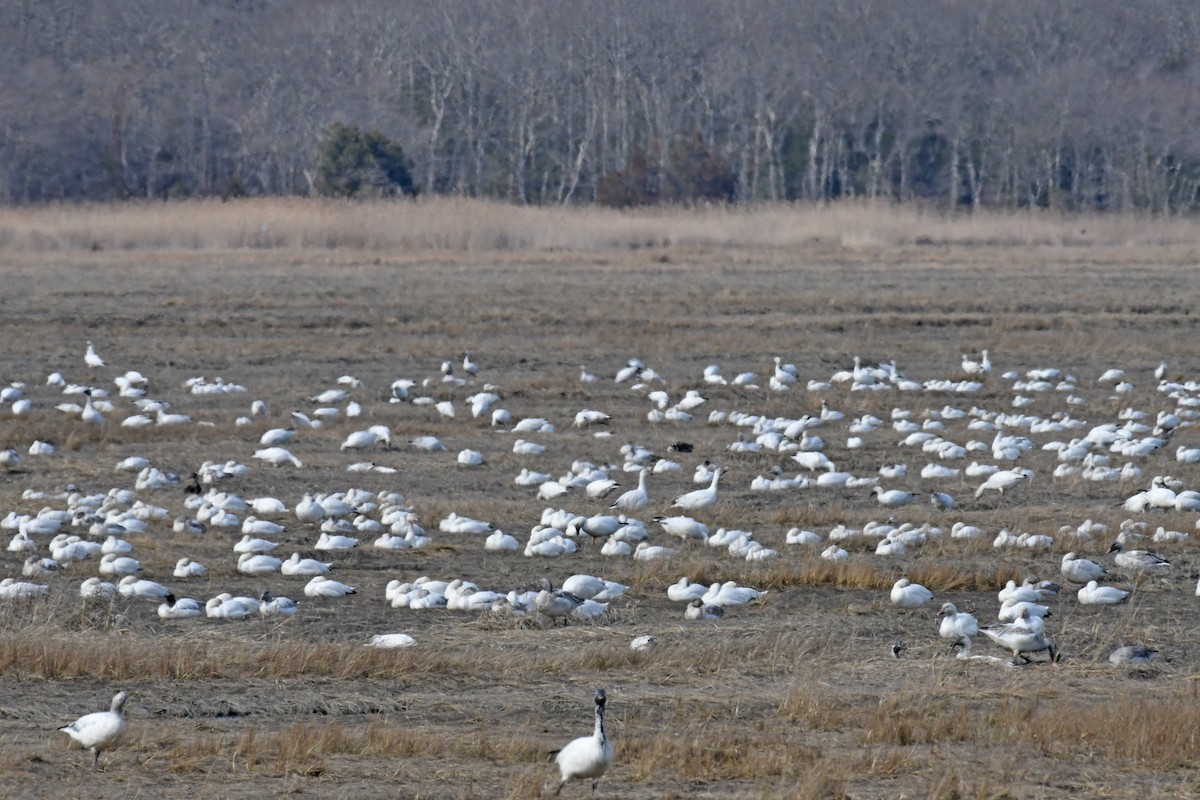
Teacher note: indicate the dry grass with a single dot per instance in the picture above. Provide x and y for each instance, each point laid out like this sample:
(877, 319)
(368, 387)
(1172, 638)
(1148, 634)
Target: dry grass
(455, 225)
(793, 697)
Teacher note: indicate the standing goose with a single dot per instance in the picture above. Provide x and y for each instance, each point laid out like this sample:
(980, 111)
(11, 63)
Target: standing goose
(634, 499)
(1021, 639)
(700, 498)
(100, 730)
(587, 756)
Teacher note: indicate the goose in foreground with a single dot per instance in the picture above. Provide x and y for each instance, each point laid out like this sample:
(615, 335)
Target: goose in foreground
(277, 456)
(898, 647)
(587, 756)
(295, 565)
(100, 730)
(906, 594)
(1132, 654)
(387, 641)
(1003, 480)
(700, 498)
(272, 606)
(1081, 570)
(956, 624)
(892, 498)
(556, 603)
(698, 609)
(964, 653)
(1021, 639)
(320, 586)
(1139, 560)
(182, 608)
(1096, 595)
(684, 591)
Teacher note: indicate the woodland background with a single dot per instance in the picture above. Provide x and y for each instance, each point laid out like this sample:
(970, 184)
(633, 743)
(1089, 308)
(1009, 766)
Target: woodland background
(1068, 104)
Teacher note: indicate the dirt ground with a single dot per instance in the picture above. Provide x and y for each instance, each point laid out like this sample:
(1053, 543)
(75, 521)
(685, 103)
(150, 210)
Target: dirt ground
(797, 696)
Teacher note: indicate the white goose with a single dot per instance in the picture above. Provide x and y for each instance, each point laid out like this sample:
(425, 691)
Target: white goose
(1081, 570)
(320, 586)
(956, 624)
(181, 608)
(1021, 639)
(1138, 560)
(1096, 595)
(684, 591)
(906, 594)
(1003, 480)
(276, 606)
(634, 499)
(295, 565)
(700, 498)
(100, 730)
(587, 756)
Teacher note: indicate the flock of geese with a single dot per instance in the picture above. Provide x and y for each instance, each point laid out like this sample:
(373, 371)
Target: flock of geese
(977, 457)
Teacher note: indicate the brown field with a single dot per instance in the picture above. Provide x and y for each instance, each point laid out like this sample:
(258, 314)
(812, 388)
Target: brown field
(796, 697)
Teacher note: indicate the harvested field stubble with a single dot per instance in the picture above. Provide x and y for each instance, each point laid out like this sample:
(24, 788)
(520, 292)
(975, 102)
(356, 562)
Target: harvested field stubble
(796, 696)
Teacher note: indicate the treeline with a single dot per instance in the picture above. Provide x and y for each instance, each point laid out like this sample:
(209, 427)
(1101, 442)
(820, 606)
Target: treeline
(1070, 104)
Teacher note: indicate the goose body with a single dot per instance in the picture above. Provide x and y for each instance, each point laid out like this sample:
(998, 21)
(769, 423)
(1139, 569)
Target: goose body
(1096, 595)
(277, 456)
(684, 591)
(700, 498)
(1135, 654)
(1003, 480)
(1021, 639)
(906, 594)
(698, 609)
(181, 608)
(276, 606)
(100, 730)
(892, 498)
(320, 586)
(258, 564)
(226, 606)
(634, 499)
(1081, 570)
(587, 756)
(1138, 560)
(295, 565)
(956, 624)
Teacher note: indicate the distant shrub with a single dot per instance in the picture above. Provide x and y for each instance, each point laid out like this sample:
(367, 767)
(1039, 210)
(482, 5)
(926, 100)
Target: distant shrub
(356, 163)
(694, 173)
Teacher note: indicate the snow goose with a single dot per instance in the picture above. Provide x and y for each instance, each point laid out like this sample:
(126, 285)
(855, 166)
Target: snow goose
(683, 527)
(1081, 570)
(648, 552)
(258, 564)
(181, 608)
(12, 589)
(1138, 560)
(276, 606)
(906, 594)
(700, 498)
(1021, 639)
(730, 594)
(556, 603)
(100, 730)
(142, 589)
(1003, 480)
(1018, 593)
(113, 564)
(1011, 610)
(1096, 595)
(956, 624)
(587, 756)
(320, 586)
(254, 544)
(501, 542)
(1132, 654)
(96, 589)
(277, 456)
(683, 591)
(226, 606)
(329, 541)
(698, 609)
(893, 498)
(634, 499)
(295, 565)
(388, 641)
(964, 653)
